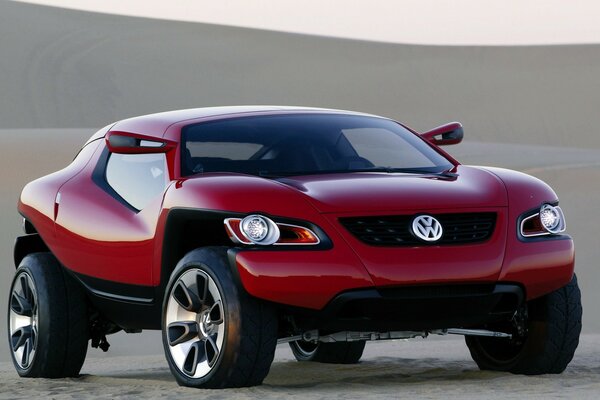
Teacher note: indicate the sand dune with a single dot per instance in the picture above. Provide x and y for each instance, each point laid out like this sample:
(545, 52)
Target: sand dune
(393, 21)
(77, 69)
(65, 73)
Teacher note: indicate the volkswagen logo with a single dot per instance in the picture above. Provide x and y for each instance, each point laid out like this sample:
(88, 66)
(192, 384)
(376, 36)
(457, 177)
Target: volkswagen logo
(427, 228)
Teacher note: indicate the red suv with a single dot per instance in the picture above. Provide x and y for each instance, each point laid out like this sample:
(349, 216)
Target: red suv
(233, 229)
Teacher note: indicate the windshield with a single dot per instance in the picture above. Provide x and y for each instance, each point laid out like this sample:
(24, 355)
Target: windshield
(303, 144)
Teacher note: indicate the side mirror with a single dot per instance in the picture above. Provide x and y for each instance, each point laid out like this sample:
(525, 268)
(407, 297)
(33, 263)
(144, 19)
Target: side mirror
(133, 143)
(444, 135)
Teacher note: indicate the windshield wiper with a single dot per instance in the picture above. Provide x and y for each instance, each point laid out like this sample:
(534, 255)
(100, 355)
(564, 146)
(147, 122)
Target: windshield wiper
(282, 174)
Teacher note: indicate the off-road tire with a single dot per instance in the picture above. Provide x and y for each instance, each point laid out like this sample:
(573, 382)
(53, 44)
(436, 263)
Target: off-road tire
(553, 335)
(329, 353)
(62, 323)
(250, 332)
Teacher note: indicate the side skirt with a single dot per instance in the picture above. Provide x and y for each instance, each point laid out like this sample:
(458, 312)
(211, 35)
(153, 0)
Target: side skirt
(131, 307)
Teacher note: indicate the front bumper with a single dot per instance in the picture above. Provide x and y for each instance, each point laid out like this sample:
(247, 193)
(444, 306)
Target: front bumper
(417, 308)
(541, 265)
(311, 279)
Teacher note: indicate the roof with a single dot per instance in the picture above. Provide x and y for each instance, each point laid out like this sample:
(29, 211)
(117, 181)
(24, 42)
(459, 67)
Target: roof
(157, 124)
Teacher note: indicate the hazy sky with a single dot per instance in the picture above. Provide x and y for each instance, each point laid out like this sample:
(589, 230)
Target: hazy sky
(404, 21)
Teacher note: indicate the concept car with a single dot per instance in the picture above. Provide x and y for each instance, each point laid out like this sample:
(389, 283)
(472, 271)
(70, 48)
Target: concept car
(233, 229)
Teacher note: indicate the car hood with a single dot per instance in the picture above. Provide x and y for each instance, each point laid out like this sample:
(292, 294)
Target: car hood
(469, 187)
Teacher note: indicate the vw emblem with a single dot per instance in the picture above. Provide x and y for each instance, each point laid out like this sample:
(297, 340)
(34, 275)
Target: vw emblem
(427, 228)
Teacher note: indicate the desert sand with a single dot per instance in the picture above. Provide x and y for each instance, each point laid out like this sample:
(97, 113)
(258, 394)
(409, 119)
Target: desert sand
(64, 74)
(419, 368)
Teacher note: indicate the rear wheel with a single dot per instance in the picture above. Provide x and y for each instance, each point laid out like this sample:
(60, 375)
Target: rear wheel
(47, 320)
(331, 353)
(547, 343)
(214, 334)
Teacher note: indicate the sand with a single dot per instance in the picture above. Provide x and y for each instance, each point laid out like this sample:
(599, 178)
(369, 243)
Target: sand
(529, 108)
(425, 369)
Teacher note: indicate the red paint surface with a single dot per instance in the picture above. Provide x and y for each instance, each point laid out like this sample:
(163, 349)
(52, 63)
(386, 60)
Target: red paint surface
(95, 234)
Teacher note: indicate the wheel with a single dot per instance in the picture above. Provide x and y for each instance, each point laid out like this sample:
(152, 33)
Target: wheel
(331, 353)
(547, 345)
(47, 320)
(214, 334)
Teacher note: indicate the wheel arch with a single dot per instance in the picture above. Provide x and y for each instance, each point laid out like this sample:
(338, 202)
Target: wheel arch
(27, 244)
(187, 229)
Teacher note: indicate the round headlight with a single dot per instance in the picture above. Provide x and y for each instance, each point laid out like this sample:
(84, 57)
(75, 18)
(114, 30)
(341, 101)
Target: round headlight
(259, 229)
(552, 218)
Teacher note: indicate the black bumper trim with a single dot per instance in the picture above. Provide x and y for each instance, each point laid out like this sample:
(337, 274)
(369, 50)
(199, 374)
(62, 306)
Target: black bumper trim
(421, 307)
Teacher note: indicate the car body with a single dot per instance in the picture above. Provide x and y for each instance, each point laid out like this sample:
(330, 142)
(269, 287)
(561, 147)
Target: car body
(360, 246)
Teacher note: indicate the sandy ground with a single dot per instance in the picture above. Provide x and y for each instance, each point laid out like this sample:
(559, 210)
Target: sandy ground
(531, 108)
(425, 369)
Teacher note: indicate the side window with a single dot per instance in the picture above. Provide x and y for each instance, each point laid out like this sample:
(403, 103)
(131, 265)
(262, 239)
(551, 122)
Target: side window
(137, 178)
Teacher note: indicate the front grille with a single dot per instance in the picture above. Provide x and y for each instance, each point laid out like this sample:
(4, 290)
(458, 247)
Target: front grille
(395, 230)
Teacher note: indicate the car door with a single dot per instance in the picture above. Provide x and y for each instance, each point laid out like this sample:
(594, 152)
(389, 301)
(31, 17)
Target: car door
(106, 220)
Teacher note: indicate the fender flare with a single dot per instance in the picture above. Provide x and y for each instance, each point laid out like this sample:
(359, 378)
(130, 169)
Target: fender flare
(27, 244)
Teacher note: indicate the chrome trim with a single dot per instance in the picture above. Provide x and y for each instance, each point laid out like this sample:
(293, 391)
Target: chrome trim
(235, 237)
(563, 225)
(427, 228)
(272, 235)
(238, 240)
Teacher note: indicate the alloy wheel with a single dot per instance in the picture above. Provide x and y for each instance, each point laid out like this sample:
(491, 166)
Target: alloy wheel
(195, 325)
(23, 320)
(305, 349)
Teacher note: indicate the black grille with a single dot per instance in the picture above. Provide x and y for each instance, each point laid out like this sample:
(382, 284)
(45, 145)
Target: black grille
(395, 230)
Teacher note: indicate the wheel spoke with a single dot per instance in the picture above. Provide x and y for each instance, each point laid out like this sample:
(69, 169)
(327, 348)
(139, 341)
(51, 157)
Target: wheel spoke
(186, 297)
(20, 337)
(34, 337)
(24, 285)
(20, 305)
(182, 331)
(216, 313)
(27, 349)
(211, 351)
(194, 357)
(26, 290)
(202, 287)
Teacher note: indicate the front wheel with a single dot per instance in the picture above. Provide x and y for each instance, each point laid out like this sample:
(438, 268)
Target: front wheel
(552, 325)
(214, 334)
(331, 353)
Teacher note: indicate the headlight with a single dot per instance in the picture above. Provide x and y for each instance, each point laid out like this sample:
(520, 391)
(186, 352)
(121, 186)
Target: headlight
(257, 229)
(552, 218)
(549, 220)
